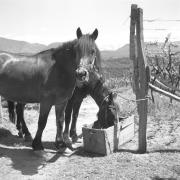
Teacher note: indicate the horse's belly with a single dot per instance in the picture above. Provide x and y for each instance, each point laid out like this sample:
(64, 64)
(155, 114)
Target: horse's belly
(20, 92)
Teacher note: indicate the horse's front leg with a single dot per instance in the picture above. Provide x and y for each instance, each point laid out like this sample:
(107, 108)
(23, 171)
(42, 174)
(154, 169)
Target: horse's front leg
(45, 107)
(68, 112)
(60, 113)
(76, 107)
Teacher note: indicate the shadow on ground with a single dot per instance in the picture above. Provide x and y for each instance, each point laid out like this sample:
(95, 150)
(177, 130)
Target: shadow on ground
(18, 154)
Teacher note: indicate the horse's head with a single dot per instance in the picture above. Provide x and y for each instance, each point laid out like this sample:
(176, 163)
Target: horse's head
(108, 112)
(94, 78)
(87, 54)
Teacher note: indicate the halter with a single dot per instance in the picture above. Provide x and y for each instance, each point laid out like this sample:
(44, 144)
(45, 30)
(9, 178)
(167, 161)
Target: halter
(89, 66)
(106, 97)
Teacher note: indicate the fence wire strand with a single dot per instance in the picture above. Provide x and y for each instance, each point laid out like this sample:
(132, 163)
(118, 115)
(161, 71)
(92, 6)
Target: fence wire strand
(132, 100)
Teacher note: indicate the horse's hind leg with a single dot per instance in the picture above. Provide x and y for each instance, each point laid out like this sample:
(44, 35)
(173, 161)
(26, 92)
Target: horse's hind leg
(12, 115)
(20, 119)
(76, 107)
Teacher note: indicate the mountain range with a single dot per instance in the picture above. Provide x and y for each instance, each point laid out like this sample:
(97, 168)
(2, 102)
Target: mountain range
(16, 46)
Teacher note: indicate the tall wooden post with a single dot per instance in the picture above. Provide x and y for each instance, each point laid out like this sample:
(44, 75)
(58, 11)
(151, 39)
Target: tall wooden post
(1, 113)
(143, 83)
(133, 43)
(141, 72)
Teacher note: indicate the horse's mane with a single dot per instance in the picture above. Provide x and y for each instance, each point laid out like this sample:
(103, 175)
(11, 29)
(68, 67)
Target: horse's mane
(44, 51)
(65, 45)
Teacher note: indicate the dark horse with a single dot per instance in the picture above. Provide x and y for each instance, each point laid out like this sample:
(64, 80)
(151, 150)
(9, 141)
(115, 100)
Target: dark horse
(104, 98)
(47, 78)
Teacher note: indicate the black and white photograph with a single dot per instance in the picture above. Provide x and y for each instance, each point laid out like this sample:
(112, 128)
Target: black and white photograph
(89, 89)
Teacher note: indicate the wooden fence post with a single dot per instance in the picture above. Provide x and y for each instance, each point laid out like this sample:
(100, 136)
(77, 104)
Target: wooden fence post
(143, 83)
(1, 113)
(141, 72)
(133, 43)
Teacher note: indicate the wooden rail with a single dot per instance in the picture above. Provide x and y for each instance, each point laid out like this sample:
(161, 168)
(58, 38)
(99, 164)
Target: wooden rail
(159, 90)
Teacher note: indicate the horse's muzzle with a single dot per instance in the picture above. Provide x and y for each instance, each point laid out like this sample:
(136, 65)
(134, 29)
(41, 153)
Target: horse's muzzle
(82, 75)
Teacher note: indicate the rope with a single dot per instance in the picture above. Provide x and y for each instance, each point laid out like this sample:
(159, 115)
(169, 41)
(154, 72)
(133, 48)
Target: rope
(132, 100)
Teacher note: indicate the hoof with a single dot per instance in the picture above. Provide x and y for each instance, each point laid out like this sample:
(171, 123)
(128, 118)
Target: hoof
(60, 145)
(37, 146)
(20, 134)
(74, 138)
(69, 145)
(28, 138)
(68, 142)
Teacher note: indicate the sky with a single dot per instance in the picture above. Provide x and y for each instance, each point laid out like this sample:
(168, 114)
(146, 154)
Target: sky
(48, 21)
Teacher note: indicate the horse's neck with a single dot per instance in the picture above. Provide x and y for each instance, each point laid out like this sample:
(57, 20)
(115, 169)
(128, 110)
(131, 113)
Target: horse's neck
(99, 93)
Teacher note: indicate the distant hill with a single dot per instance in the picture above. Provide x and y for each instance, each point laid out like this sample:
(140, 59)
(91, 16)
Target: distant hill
(119, 53)
(19, 46)
(123, 52)
(53, 45)
(25, 47)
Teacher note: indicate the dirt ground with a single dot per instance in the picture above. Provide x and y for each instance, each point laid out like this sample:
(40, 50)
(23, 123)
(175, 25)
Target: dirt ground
(162, 161)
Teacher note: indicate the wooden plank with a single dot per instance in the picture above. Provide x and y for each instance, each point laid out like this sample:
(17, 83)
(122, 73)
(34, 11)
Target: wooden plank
(154, 88)
(165, 85)
(126, 134)
(116, 128)
(126, 131)
(128, 121)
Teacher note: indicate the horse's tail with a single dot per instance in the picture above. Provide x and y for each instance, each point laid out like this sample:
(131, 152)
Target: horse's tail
(12, 116)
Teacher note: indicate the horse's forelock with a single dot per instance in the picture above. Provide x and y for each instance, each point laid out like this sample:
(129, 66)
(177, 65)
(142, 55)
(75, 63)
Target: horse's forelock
(86, 43)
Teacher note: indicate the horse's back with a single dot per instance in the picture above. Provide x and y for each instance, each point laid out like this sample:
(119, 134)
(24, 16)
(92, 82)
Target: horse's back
(21, 76)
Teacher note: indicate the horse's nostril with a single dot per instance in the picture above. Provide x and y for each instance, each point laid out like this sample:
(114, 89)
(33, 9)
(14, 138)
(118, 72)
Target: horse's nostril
(84, 73)
(77, 72)
(81, 74)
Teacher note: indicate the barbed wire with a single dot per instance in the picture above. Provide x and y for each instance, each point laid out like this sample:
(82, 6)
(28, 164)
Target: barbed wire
(125, 21)
(161, 20)
(156, 29)
(133, 100)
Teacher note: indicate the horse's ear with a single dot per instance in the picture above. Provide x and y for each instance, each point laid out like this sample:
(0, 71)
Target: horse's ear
(78, 33)
(94, 35)
(112, 96)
